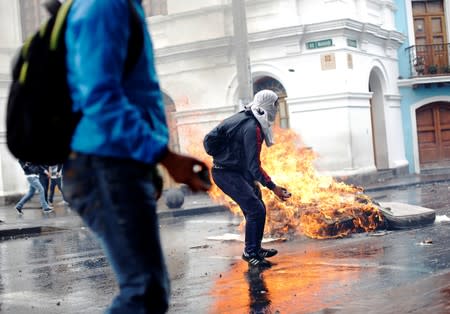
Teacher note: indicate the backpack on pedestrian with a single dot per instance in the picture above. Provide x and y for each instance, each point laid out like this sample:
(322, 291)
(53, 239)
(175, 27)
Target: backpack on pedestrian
(218, 140)
(215, 142)
(39, 117)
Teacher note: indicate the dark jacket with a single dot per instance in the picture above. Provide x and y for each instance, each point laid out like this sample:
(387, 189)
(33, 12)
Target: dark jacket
(30, 168)
(244, 147)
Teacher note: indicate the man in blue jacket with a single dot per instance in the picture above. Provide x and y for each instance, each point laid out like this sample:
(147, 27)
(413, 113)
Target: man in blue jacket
(120, 138)
(237, 169)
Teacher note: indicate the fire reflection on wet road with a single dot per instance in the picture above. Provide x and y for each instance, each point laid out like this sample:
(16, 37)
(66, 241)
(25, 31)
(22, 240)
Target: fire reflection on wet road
(355, 275)
(66, 272)
(294, 284)
(397, 272)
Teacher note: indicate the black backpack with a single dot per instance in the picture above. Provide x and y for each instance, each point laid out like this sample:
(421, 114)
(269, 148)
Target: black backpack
(215, 142)
(218, 140)
(39, 118)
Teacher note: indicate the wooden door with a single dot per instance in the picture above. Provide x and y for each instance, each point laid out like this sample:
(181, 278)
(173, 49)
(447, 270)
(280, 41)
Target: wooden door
(433, 133)
(430, 33)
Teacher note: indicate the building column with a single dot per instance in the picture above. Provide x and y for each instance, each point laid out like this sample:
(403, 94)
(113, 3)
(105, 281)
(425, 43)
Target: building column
(241, 48)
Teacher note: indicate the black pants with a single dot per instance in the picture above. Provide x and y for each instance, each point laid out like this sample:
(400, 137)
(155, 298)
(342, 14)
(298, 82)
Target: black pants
(44, 181)
(55, 182)
(248, 196)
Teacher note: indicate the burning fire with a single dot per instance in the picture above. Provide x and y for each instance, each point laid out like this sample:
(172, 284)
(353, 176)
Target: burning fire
(320, 207)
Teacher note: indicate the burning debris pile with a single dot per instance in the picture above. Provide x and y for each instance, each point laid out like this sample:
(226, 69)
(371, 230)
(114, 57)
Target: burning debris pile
(353, 213)
(320, 207)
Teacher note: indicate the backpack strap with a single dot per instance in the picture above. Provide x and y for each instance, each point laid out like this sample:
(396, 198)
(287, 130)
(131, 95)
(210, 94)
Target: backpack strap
(60, 24)
(243, 116)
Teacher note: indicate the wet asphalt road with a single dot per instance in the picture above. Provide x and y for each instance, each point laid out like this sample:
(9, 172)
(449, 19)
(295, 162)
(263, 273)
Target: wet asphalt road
(395, 272)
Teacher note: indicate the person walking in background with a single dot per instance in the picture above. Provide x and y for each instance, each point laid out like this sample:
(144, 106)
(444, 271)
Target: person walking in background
(32, 173)
(44, 178)
(110, 178)
(55, 181)
(237, 169)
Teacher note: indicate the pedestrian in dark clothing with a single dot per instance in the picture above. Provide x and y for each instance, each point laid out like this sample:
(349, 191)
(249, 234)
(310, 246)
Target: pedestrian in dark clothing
(121, 137)
(237, 169)
(32, 173)
(44, 178)
(55, 181)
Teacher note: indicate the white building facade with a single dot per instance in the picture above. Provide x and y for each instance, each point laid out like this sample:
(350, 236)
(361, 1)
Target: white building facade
(12, 179)
(333, 63)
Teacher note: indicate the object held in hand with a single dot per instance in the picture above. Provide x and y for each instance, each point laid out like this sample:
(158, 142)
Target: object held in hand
(203, 175)
(286, 194)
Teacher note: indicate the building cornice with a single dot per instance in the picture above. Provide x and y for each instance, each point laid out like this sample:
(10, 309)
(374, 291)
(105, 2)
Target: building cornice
(159, 19)
(205, 115)
(365, 30)
(423, 80)
(325, 102)
(201, 11)
(197, 49)
(292, 34)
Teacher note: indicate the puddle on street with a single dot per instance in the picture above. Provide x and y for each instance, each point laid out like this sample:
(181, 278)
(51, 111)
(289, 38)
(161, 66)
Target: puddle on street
(287, 288)
(312, 279)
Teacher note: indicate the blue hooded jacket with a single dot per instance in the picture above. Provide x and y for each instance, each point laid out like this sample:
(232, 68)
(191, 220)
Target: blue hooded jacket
(122, 118)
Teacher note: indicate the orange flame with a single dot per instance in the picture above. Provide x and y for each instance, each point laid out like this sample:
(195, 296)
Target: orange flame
(320, 207)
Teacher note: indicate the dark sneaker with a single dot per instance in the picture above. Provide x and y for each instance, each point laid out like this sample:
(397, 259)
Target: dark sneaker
(256, 260)
(19, 210)
(47, 210)
(267, 252)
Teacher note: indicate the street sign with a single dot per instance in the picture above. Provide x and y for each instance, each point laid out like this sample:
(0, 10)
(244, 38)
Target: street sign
(319, 44)
(352, 43)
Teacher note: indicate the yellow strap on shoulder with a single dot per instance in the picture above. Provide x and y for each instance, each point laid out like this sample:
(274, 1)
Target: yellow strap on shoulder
(60, 18)
(23, 73)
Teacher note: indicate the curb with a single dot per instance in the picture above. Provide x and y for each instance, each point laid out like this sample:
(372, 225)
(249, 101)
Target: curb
(191, 211)
(15, 232)
(27, 231)
(404, 185)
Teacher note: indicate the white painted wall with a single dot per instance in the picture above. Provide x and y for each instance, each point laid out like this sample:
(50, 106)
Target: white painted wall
(12, 179)
(329, 108)
(195, 61)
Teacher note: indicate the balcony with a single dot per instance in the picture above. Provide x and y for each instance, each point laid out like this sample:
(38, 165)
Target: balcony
(429, 64)
(429, 60)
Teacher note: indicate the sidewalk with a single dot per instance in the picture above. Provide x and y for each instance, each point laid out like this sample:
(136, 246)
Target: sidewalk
(35, 222)
(408, 181)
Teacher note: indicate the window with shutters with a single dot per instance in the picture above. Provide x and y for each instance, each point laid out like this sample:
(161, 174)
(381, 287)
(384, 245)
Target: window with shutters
(430, 36)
